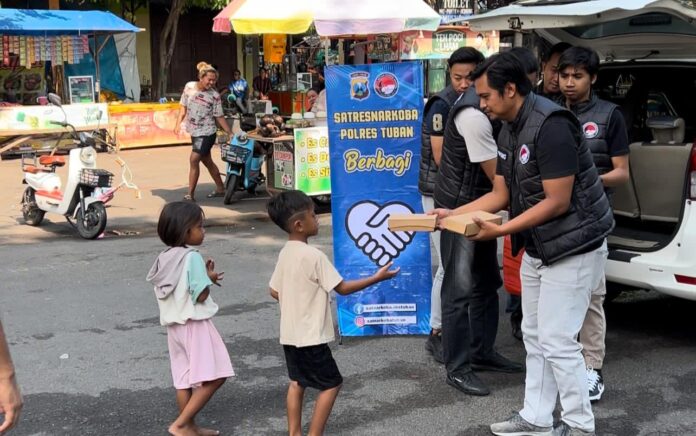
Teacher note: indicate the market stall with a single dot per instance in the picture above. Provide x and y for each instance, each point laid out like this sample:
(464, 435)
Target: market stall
(54, 51)
(301, 160)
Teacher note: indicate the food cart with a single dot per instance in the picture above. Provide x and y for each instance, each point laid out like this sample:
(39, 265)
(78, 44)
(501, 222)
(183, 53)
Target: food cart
(301, 160)
(29, 41)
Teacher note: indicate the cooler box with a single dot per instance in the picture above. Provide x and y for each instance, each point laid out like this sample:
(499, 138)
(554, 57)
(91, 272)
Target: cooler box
(511, 268)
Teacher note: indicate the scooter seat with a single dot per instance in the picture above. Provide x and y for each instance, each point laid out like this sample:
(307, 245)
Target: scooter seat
(31, 169)
(56, 161)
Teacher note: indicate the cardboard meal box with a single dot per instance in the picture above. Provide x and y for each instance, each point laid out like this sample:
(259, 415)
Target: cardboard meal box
(416, 222)
(465, 225)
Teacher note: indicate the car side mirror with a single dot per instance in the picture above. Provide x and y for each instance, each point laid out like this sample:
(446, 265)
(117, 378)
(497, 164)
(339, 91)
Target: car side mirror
(55, 99)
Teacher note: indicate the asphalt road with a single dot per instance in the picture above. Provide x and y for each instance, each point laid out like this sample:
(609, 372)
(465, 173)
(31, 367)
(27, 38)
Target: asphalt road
(92, 358)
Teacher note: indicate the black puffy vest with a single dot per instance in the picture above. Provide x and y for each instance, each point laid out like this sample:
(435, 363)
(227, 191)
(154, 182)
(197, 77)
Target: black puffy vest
(587, 221)
(459, 181)
(594, 116)
(428, 168)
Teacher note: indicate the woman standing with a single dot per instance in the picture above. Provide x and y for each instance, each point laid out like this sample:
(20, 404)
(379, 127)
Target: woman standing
(200, 108)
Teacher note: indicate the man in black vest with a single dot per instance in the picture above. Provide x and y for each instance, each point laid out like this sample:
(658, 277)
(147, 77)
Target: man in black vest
(472, 277)
(561, 216)
(461, 63)
(531, 68)
(604, 129)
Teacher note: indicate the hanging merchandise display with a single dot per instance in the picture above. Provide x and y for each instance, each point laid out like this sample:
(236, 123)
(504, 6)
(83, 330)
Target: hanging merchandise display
(34, 49)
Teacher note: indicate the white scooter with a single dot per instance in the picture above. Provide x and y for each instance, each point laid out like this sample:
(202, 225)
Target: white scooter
(85, 194)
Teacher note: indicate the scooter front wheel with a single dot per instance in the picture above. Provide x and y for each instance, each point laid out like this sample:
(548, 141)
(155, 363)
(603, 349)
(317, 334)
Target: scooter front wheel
(91, 222)
(31, 212)
(230, 188)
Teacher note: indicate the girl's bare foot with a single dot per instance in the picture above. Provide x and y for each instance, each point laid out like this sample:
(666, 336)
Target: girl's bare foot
(206, 431)
(183, 430)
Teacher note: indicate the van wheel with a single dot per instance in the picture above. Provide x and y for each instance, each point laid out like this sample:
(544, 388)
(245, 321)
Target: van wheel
(613, 291)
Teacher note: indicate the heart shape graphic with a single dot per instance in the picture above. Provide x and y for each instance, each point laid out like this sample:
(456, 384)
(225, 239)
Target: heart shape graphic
(366, 223)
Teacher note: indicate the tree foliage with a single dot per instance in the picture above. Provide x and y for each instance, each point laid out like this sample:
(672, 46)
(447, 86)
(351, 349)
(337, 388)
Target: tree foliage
(168, 35)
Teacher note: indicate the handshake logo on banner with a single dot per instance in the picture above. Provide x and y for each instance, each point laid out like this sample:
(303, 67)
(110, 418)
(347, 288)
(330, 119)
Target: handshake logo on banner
(366, 223)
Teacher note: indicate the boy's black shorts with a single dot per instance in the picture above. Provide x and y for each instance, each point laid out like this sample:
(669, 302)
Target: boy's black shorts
(312, 367)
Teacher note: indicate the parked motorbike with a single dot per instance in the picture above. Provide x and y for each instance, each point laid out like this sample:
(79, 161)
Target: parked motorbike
(244, 158)
(86, 192)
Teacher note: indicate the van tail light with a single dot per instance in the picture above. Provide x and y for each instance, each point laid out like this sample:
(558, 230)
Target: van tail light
(685, 279)
(692, 173)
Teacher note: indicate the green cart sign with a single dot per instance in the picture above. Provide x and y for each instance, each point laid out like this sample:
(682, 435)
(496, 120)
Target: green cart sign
(312, 173)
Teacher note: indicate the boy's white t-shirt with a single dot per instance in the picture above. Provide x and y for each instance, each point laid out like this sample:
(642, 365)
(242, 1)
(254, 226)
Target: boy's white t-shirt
(303, 278)
(181, 305)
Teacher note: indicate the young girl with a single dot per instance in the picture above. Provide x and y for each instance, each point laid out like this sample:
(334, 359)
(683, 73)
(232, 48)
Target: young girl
(199, 360)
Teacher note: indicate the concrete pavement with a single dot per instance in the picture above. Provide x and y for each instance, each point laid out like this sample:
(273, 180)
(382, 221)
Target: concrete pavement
(161, 174)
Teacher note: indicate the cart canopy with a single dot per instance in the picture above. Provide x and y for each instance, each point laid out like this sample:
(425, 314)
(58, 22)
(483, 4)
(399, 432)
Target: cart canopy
(34, 22)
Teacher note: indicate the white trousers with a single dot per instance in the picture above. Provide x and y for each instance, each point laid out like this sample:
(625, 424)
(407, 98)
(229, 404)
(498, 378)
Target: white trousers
(435, 301)
(555, 299)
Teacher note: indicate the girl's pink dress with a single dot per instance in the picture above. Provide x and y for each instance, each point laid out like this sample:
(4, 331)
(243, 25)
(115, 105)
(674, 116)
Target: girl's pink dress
(197, 354)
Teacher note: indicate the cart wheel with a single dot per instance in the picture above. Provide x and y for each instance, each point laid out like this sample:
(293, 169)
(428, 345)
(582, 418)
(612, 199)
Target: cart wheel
(252, 189)
(322, 200)
(91, 223)
(230, 188)
(32, 214)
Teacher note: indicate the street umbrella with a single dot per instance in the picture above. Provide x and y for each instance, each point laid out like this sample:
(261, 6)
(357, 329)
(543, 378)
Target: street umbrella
(265, 16)
(368, 17)
(331, 17)
(221, 22)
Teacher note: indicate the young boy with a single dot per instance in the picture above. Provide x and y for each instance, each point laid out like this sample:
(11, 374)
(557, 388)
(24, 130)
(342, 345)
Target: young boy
(301, 282)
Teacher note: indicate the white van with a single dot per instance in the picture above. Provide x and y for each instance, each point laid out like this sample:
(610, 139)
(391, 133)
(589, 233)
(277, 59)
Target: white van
(648, 49)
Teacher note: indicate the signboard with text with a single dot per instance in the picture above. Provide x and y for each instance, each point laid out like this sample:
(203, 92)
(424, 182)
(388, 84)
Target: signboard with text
(442, 43)
(313, 176)
(374, 115)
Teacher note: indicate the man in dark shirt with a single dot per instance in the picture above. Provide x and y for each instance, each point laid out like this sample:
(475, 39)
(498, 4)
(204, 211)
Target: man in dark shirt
(546, 175)
(549, 72)
(604, 128)
(262, 84)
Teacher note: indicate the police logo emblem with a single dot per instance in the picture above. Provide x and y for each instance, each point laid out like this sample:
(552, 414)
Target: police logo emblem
(524, 154)
(359, 85)
(386, 85)
(590, 130)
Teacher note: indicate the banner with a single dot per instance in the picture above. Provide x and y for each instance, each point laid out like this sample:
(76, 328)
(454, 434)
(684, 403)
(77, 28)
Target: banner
(383, 47)
(374, 115)
(416, 44)
(313, 175)
(144, 125)
(23, 120)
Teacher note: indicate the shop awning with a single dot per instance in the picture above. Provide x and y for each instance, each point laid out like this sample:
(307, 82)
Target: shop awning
(57, 22)
(330, 17)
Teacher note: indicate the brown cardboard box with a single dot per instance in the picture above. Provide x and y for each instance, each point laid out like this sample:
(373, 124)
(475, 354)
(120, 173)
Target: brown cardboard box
(465, 225)
(417, 222)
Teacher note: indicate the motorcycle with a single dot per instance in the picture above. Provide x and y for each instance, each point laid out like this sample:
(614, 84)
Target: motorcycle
(244, 158)
(87, 190)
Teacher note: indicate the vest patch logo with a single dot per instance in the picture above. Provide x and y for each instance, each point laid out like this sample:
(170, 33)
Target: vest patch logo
(386, 85)
(359, 89)
(524, 154)
(590, 129)
(502, 155)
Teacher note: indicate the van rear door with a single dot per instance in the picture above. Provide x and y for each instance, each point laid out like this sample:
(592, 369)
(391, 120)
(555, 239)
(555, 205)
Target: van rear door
(630, 29)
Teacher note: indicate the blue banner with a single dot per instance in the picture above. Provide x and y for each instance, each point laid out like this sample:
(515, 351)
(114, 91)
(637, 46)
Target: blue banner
(374, 117)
